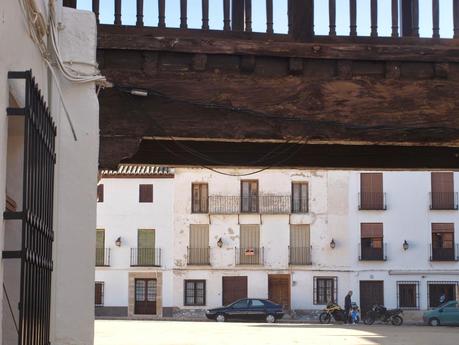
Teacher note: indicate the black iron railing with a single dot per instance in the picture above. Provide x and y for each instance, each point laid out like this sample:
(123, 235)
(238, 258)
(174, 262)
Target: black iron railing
(36, 216)
(299, 255)
(367, 253)
(444, 254)
(372, 201)
(103, 256)
(299, 14)
(263, 204)
(249, 256)
(443, 201)
(198, 256)
(146, 257)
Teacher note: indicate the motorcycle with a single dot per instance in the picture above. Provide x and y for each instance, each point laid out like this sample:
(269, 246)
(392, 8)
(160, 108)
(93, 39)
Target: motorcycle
(381, 313)
(332, 311)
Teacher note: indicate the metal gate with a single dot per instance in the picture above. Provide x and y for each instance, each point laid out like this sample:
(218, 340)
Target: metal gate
(36, 215)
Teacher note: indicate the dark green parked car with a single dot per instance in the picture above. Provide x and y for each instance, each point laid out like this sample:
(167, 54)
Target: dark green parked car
(447, 314)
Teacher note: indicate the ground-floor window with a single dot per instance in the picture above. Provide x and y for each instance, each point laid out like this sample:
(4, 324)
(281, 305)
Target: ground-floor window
(439, 292)
(408, 294)
(325, 290)
(195, 292)
(99, 297)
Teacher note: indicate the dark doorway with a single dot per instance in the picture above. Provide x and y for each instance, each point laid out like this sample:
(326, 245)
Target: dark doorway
(371, 293)
(279, 289)
(145, 296)
(234, 288)
(436, 289)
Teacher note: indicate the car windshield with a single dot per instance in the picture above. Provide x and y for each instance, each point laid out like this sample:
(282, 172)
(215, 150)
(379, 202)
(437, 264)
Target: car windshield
(449, 304)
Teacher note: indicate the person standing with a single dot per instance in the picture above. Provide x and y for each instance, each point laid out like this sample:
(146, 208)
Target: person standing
(443, 297)
(347, 306)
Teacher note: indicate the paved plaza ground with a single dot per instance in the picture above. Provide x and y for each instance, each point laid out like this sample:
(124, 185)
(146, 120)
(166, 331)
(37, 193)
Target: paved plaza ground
(129, 332)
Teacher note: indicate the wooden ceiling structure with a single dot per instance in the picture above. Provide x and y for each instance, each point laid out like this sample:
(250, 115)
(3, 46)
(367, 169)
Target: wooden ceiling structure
(234, 97)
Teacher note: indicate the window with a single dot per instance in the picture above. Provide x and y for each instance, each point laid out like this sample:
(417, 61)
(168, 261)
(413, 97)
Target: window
(300, 197)
(408, 294)
(100, 193)
(372, 247)
(257, 303)
(145, 193)
(146, 252)
(371, 191)
(300, 248)
(439, 292)
(443, 196)
(242, 304)
(99, 294)
(249, 196)
(443, 248)
(325, 290)
(198, 251)
(100, 247)
(195, 292)
(199, 198)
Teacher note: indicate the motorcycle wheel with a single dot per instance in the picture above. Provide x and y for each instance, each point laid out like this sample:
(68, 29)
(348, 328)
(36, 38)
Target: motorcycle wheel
(396, 320)
(369, 320)
(324, 318)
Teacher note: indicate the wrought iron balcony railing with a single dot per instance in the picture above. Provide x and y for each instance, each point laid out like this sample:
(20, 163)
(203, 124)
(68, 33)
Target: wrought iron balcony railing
(102, 257)
(443, 201)
(263, 204)
(249, 256)
(444, 254)
(372, 201)
(372, 254)
(146, 257)
(198, 256)
(299, 255)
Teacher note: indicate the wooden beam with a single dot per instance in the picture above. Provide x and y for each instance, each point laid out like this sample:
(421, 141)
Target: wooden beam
(95, 9)
(183, 14)
(353, 17)
(226, 15)
(248, 15)
(70, 3)
(436, 18)
(374, 18)
(394, 13)
(406, 15)
(456, 18)
(237, 15)
(117, 12)
(332, 17)
(302, 19)
(269, 17)
(205, 14)
(161, 13)
(139, 22)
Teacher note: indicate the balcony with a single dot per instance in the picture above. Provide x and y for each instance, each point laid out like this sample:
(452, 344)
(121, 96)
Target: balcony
(263, 204)
(372, 201)
(102, 257)
(249, 256)
(145, 257)
(443, 201)
(444, 254)
(198, 256)
(372, 254)
(299, 255)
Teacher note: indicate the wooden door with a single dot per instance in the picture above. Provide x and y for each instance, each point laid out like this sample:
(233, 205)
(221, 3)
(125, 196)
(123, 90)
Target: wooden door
(145, 296)
(442, 190)
(279, 289)
(371, 191)
(234, 288)
(146, 255)
(371, 292)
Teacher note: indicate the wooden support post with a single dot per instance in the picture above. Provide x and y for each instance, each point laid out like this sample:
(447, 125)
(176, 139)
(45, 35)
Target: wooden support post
(303, 19)
(410, 18)
(269, 17)
(183, 14)
(237, 15)
(161, 13)
(415, 24)
(139, 22)
(394, 18)
(289, 15)
(456, 18)
(353, 17)
(70, 3)
(226, 15)
(205, 14)
(95, 9)
(117, 12)
(374, 18)
(248, 15)
(436, 19)
(332, 17)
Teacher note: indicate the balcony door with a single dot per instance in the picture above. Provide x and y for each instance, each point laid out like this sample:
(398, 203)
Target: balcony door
(299, 244)
(198, 251)
(100, 247)
(145, 297)
(371, 191)
(372, 247)
(249, 196)
(442, 191)
(249, 253)
(443, 242)
(146, 247)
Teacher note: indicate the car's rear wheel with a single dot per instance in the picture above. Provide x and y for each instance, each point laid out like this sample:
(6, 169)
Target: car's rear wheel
(434, 322)
(220, 318)
(270, 318)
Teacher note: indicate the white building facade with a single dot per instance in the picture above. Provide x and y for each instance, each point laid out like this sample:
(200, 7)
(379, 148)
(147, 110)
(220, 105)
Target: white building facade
(297, 236)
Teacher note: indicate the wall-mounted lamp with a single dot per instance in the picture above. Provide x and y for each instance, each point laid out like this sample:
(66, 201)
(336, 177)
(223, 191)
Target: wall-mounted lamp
(405, 245)
(332, 244)
(220, 243)
(118, 242)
